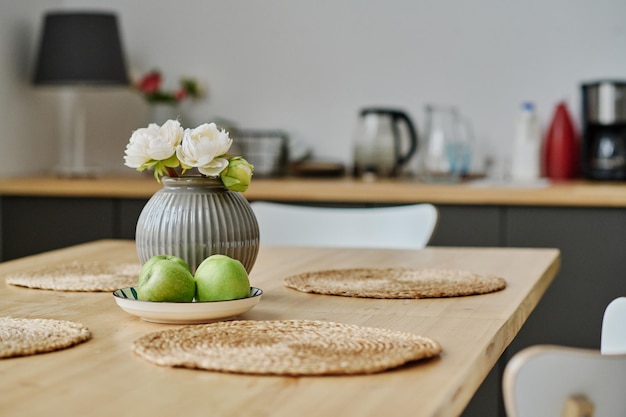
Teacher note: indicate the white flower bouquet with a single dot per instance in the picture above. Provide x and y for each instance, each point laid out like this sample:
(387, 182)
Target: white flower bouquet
(171, 151)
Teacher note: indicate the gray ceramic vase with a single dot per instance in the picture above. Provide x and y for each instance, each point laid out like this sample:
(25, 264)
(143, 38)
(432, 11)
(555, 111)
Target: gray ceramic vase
(195, 217)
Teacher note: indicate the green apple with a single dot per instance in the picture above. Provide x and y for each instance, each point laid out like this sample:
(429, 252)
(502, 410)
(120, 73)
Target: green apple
(148, 264)
(166, 280)
(220, 277)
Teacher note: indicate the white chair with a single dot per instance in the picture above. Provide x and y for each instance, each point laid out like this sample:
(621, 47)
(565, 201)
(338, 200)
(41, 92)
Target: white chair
(613, 338)
(400, 227)
(557, 381)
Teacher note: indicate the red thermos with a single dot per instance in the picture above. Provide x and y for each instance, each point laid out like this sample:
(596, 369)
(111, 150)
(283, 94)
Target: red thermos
(561, 150)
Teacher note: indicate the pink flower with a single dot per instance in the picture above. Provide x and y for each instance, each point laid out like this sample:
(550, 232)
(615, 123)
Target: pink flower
(151, 82)
(180, 94)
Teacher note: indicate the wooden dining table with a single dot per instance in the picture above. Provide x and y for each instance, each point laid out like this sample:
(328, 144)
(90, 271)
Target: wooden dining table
(103, 377)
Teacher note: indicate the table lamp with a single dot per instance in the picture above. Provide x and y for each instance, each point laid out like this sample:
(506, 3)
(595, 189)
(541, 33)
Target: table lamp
(79, 50)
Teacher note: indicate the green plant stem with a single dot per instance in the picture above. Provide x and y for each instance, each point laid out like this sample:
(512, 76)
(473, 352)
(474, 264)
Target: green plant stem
(171, 172)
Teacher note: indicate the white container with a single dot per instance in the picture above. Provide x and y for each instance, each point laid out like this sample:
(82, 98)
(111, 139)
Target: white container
(527, 146)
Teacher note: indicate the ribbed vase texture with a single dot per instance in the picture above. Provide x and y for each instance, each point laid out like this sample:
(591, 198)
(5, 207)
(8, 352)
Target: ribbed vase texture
(195, 217)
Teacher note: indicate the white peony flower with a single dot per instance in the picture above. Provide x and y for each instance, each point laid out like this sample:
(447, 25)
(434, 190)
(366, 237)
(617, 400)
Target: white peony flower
(172, 132)
(169, 150)
(204, 148)
(153, 143)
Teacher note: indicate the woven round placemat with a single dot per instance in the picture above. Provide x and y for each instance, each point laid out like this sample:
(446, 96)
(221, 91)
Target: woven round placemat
(25, 336)
(284, 347)
(79, 276)
(395, 283)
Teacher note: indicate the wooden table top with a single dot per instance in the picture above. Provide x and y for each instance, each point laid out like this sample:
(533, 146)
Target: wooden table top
(102, 377)
(344, 190)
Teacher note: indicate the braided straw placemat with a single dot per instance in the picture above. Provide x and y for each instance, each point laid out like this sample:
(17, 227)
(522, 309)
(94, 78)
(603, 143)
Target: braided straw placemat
(23, 336)
(284, 347)
(79, 276)
(395, 283)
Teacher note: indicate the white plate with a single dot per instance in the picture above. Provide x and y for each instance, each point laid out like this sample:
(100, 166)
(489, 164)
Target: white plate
(184, 313)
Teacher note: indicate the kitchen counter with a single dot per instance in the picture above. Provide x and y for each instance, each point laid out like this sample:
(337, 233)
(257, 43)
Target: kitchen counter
(578, 193)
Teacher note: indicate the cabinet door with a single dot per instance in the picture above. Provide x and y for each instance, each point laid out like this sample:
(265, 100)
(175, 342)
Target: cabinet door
(128, 211)
(36, 224)
(468, 226)
(593, 270)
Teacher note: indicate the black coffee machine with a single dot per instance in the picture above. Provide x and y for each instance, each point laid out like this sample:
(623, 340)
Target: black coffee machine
(603, 148)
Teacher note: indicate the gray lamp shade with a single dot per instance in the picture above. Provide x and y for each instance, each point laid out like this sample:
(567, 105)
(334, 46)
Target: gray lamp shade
(80, 48)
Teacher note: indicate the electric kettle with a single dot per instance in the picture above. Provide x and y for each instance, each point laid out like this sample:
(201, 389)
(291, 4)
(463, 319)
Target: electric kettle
(385, 140)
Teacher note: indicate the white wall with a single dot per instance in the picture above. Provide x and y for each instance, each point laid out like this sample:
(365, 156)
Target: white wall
(28, 126)
(308, 66)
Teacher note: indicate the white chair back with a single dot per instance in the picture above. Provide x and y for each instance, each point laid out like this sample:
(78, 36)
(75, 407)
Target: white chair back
(398, 227)
(613, 338)
(557, 381)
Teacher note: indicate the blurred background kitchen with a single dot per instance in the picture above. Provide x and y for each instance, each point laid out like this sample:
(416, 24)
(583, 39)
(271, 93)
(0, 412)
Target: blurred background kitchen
(308, 68)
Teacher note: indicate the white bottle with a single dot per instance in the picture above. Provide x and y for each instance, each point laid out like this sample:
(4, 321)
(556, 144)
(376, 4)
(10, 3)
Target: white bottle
(527, 145)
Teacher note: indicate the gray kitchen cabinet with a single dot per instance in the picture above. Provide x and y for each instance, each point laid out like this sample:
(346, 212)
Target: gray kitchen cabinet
(469, 226)
(32, 225)
(128, 211)
(37, 224)
(593, 270)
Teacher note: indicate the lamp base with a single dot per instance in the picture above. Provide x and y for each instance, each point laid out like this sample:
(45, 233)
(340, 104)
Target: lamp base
(78, 172)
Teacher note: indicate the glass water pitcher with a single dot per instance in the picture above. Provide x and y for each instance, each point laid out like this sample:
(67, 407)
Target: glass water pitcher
(446, 152)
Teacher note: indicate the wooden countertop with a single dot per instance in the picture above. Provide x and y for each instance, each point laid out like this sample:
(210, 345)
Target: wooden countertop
(346, 190)
(102, 377)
